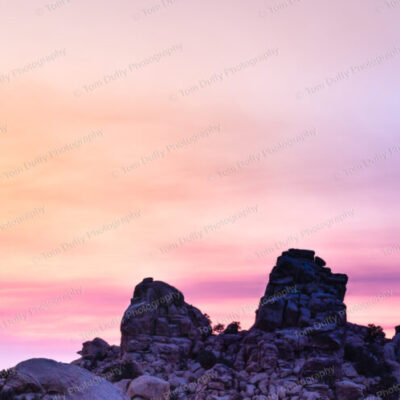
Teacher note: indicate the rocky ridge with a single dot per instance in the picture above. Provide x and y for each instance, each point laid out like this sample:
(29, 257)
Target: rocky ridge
(301, 347)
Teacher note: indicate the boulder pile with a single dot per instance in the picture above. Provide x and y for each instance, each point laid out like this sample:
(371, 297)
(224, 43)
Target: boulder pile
(301, 347)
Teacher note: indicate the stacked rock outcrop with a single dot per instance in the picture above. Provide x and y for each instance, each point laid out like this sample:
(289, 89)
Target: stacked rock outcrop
(159, 309)
(302, 292)
(301, 347)
(159, 330)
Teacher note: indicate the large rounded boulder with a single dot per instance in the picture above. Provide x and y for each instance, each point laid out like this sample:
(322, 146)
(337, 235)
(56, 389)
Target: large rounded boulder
(39, 377)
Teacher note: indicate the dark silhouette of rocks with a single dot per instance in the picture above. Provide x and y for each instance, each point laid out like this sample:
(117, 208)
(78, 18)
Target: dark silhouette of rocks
(301, 292)
(41, 376)
(301, 347)
(159, 309)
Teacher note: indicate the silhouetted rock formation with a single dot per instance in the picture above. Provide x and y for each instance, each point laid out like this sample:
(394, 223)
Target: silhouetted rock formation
(159, 309)
(302, 292)
(41, 378)
(301, 347)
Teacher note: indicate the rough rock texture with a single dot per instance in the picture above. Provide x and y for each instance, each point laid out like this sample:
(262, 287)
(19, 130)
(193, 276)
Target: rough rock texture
(41, 378)
(159, 309)
(347, 390)
(149, 388)
(95, 349)
(300, 348)
(302, 292)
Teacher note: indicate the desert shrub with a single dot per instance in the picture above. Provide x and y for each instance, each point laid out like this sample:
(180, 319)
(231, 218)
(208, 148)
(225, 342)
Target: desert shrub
(233, 327)
(206, 359)
(5, 373)
(375, 334)
(237, 324)
(208, 318)
(218, 328)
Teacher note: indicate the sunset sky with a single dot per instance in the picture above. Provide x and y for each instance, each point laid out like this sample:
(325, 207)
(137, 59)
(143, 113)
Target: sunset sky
(193, 142)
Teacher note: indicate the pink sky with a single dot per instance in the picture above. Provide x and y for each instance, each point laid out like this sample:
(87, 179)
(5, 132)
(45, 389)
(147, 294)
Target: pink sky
(162, 120)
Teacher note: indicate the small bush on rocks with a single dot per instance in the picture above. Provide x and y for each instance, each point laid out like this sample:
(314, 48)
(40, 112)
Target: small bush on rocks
(218, 328)
(375, 334)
